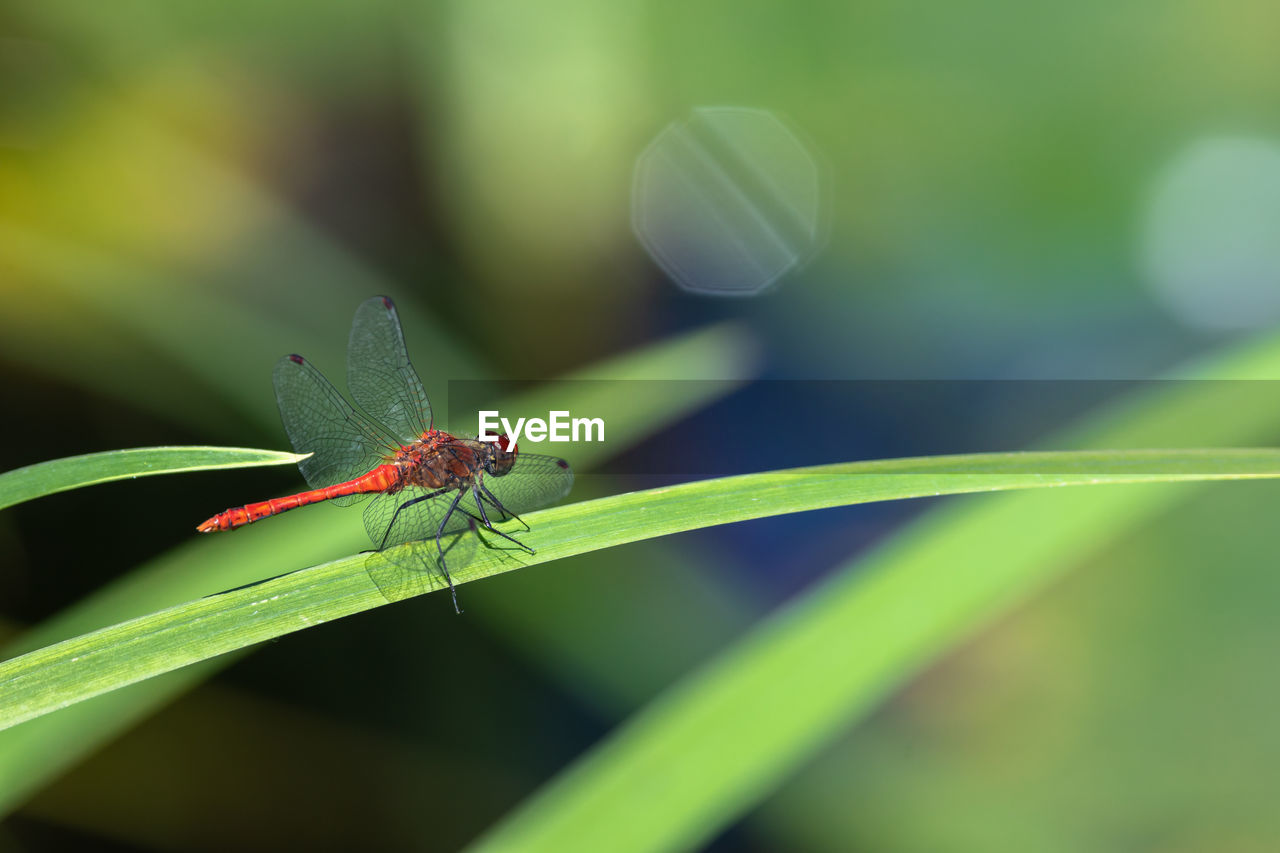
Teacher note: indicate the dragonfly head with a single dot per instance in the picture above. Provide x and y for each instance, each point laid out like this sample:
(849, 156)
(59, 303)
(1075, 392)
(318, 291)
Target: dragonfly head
(502, 457)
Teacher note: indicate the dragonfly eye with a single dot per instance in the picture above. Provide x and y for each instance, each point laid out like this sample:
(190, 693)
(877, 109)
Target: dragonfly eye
(506, 445)
(503, 457)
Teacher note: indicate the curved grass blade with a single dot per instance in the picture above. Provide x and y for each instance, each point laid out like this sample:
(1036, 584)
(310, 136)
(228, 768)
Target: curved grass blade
(71, 671)
(73, 472)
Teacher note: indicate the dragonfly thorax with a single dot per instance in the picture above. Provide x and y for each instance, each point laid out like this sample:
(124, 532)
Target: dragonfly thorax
(439, 460)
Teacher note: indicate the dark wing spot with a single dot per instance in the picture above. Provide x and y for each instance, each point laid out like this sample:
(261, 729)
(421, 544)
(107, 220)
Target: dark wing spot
(388, 304)
(295, 358)
(562, 463)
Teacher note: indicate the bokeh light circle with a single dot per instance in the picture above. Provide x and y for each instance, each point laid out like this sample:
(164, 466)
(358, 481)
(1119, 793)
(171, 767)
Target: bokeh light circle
(1211, 243)
(728, 202)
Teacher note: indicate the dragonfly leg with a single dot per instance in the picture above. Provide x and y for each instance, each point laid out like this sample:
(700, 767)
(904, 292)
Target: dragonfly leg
(488, 495)
(406, 505)
(484, 519)
(440, 532)
(475, 492)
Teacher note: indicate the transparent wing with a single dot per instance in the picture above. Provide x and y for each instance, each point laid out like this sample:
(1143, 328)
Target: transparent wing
(415, 516)
(413, 569)
(343, 445)
(533, 482)
(382, 381)
(416, 513)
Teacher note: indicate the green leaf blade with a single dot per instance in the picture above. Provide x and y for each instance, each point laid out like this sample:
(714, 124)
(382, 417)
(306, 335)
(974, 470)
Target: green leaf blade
(74, 472)
(53, 677)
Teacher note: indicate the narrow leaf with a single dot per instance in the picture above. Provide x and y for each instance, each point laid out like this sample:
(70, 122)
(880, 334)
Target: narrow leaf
(73, 472)
(71, 671)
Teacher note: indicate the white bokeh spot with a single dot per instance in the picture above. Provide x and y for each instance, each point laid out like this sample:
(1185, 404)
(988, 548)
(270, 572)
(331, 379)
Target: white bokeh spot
(1211, 243)
(728, 202)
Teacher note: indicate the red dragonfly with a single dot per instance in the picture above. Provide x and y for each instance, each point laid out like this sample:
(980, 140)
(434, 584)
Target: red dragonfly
(424, 480)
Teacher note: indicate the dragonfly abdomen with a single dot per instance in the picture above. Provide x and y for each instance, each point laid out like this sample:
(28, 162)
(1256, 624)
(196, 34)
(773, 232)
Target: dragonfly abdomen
(384, 478)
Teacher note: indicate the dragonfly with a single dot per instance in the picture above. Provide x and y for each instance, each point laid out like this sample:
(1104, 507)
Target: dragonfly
(425, 483)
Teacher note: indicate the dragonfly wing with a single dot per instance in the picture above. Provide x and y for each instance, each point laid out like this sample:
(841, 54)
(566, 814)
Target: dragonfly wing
(400, 573)
(381, 379)
(415, 513)
(318, 421)
(534, 481)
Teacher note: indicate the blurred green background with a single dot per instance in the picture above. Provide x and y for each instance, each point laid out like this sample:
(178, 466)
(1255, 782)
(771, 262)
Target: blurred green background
(189, 191)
